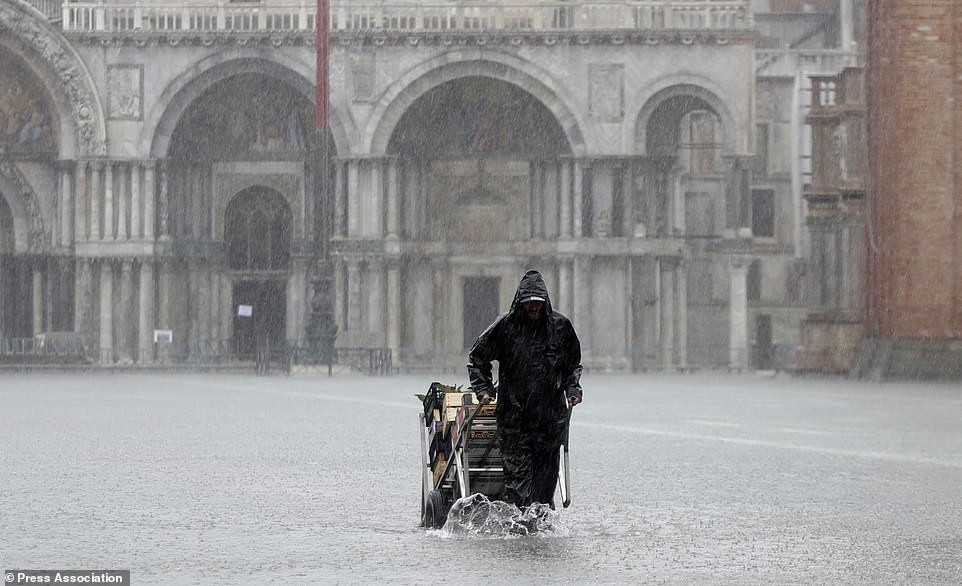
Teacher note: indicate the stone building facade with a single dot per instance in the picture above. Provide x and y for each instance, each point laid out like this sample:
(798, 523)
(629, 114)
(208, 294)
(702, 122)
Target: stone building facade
(159, 170)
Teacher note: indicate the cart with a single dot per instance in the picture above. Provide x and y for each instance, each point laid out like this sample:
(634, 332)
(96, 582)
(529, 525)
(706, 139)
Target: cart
(460, 455)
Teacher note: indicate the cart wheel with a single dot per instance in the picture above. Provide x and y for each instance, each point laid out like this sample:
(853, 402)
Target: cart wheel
(435, 510)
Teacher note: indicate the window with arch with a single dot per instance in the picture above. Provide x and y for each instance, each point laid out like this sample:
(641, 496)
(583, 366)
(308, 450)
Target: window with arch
(258, 231)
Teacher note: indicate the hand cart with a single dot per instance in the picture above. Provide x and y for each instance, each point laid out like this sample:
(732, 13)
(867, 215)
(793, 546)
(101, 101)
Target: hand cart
(460, 455)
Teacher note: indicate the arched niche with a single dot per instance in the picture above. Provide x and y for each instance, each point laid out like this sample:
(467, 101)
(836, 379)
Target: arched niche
(481, 137)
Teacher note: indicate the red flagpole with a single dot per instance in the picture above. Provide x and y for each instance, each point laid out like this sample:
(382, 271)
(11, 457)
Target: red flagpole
(322, 23)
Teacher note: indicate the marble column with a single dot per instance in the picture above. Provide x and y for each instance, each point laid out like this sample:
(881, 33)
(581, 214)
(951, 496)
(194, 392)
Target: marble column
(81, 228)
(353, 200)
(164, 210)
(354, 296)
(393, 207)
(200, 299)
(195, 194)
(564, 214)
(681, 279)
(136, 232)
(226, 307)
(846, 26)
(577, 204)
(213, 279)
(738, 330)
(37, 295)
(340, 295)
(296, 301)
(96, 226)
(375, 296)
(164, 299)
(340, 200)
(602, 185)
(394, 308)
(149, 179)
(83, 282)
(106, 313)
(678, 227)
(66, 200)
(666, 302)
(564, 286)
(145, 314)
(124, 200)
(582, 306)
(109, 232)
(125, 313)
(534, 199)
(440, 305)
(374, 217)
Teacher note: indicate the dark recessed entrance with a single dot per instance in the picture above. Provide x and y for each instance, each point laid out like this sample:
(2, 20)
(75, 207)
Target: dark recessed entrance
(266, 323)
(480, 306)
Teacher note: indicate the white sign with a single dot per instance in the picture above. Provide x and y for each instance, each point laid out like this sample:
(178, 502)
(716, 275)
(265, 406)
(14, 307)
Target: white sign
(163, 336)
(245, 310)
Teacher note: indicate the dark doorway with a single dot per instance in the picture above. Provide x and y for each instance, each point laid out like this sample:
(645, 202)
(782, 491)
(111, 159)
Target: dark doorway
(266, 323)
(764, 351)
(480, 306)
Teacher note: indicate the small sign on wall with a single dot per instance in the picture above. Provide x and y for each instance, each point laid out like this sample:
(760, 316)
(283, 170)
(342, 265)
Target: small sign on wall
(163, 336)
(245, 310)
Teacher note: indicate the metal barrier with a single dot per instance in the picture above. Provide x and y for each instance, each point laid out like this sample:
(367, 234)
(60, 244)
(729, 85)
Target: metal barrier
(61, 348)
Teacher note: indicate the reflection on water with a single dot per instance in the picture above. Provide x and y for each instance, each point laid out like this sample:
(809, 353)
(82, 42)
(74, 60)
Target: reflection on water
(476, 516)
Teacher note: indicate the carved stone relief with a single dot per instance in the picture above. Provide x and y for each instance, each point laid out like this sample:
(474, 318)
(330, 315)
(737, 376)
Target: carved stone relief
(363, 71)
(125, 86)
(606, 92)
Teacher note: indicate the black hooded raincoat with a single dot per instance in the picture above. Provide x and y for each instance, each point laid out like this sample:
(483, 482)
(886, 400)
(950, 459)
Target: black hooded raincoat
(539, 364)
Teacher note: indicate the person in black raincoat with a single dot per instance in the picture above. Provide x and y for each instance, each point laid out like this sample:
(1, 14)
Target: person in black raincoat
(539, 364)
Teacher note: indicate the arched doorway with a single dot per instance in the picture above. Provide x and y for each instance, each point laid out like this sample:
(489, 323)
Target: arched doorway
(684, 180)
(481, 163)
(258, 236)
(250, 128)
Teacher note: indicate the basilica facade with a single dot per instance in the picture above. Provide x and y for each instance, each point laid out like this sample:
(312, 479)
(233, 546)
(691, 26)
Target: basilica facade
(162, 179)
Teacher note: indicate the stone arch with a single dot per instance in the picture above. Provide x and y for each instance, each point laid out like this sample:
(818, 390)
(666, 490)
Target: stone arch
(258, 230)
(64, 75)
(650, 98)
(161, 121)
(395, 101)
(28, 227)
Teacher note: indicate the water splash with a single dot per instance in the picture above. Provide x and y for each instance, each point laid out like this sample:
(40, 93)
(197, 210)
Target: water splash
(477, 516)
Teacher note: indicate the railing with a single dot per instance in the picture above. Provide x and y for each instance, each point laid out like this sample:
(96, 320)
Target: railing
(435, 16)
(59, 349)
(52, 9)
(785, 62)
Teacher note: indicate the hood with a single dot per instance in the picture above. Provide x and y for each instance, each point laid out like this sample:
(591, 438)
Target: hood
(532, 283)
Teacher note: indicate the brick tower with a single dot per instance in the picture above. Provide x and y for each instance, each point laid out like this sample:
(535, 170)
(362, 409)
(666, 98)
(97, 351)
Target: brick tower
(914, 224)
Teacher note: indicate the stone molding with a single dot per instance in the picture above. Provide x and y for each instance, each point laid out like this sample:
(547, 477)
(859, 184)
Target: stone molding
(409, 39)
(57, 55)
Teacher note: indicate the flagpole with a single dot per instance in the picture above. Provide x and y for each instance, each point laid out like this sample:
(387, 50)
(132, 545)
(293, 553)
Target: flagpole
(322, 328)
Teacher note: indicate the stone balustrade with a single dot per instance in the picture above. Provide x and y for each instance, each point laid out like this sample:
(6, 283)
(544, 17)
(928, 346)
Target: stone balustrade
(349, 16)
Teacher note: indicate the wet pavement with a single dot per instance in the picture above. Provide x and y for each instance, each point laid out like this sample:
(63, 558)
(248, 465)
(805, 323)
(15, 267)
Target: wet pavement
(688, 479)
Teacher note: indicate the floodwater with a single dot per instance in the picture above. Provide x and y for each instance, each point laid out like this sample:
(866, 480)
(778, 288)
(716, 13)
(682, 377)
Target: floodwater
(688, 479)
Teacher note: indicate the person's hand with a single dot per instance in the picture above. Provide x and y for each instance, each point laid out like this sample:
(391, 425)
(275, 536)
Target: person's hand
(572, 401)
(485, 399)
